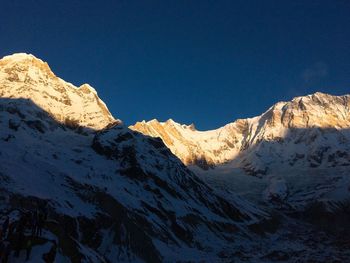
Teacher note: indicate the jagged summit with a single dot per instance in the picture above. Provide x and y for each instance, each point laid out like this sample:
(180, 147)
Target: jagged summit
(22, 62)
(25, 76)
(18, 57)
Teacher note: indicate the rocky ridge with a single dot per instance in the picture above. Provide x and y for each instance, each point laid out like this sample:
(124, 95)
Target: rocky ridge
(298, 122)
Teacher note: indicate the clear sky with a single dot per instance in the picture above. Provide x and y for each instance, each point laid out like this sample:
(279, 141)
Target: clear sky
(207, 62)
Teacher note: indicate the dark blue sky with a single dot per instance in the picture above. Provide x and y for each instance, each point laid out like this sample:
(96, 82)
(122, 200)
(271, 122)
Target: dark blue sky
(207, 62)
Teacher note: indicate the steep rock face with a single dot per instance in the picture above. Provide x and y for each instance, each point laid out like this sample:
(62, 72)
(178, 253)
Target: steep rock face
(25, 76)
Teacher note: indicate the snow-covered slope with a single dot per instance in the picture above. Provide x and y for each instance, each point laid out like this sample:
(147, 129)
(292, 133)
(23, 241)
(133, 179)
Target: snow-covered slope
(315, 127)
(25, 76)
(298, 152)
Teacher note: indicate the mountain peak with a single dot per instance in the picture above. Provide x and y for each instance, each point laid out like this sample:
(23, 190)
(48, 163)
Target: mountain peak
(317, 96)
(86, 88)
(25, 76)
(19, 57)
(25, 65)
(318, 93)
(170, 122)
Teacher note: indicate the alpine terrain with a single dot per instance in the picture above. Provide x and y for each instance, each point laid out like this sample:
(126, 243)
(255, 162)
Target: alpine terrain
(77, 185)
(293, 159)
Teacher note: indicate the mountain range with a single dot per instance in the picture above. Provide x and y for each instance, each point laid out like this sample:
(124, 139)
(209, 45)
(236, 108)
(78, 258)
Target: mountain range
(306, 122)
(270, 188)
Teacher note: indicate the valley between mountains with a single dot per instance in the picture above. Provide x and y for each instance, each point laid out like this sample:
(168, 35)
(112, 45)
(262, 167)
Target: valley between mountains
(272, 188)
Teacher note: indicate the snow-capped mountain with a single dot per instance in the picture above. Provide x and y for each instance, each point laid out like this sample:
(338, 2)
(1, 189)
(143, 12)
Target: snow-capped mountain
(117, 195)
(298, 153)
(309, 131)
(25, 76)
